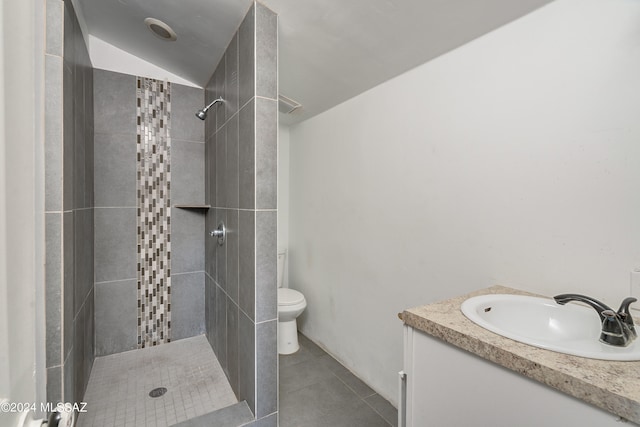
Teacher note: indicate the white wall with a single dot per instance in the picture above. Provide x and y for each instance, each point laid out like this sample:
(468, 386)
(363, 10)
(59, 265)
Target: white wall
(106, 56)
(512, 160)
(283, 194)
(21, 211)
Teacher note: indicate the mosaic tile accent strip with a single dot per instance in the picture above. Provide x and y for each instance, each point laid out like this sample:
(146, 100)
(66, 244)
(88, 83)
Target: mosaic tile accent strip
(153, 99)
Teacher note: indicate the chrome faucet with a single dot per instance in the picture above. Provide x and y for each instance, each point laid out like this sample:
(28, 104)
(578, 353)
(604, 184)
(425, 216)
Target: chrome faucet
(617, 326)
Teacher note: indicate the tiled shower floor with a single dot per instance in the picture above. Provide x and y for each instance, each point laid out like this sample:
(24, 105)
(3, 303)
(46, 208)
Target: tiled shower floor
(118, 391)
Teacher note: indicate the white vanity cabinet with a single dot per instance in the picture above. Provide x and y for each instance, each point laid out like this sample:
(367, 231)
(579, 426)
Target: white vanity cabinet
(449, 387)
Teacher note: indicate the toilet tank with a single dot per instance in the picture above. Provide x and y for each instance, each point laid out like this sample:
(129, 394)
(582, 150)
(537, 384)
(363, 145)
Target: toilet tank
(282, 256)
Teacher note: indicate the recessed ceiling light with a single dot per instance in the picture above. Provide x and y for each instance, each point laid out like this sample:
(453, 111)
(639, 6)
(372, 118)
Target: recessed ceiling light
(160, 29)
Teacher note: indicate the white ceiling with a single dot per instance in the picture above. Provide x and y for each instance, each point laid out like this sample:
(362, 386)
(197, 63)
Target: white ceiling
(330, 50)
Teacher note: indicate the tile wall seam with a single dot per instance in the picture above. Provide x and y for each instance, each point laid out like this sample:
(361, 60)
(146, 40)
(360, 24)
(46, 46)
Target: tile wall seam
(268, 415)
(189, 141)
(188, 272)
(66, 359)
(75, 316)
(237, 195)
(221, 288)
(255, 51)
(255, 204)
(215, 131)
(64, 391)
(216, 165)
(115, 133)
(277, 73)
(245, 104)
(234, 209)
(61, 120)
(255, 365)
(62, 310)
(113, 281)
(68, 353)
(229, 296)
(265, 98)
(255, 196)
(246, 314)
(60, 390)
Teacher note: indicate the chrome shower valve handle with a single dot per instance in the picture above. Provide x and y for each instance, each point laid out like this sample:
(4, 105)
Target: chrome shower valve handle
(220, 233)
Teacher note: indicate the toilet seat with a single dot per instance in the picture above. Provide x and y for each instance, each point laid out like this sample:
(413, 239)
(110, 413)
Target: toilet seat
(288, 296)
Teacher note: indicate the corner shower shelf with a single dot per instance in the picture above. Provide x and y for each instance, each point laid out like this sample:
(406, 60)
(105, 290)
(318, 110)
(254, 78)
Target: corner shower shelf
(205, 207)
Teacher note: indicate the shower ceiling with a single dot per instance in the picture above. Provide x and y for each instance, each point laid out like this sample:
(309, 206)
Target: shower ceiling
(330, 50)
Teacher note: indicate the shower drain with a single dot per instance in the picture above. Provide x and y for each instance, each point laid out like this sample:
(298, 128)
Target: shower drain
(157, 392)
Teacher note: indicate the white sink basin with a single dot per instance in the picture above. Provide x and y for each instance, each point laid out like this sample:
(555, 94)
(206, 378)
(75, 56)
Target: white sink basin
(540, 322)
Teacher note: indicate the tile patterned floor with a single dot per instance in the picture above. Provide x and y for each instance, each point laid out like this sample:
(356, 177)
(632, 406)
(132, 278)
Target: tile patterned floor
(119, 386)
(317, 391)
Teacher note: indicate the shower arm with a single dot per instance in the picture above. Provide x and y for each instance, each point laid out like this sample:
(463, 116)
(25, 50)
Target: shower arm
(213, 102)
(202, 114)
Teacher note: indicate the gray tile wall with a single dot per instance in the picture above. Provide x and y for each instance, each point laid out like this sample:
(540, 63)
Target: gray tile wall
(187, 304)
(68, 205)
(116, 316)
(115, 212)
(241, 165)
(116, 215)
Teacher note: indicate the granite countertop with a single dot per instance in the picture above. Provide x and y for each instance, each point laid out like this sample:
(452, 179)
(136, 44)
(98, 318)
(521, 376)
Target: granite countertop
(610, 385)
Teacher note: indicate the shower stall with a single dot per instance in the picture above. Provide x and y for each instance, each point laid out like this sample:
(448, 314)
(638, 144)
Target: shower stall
(134, 184)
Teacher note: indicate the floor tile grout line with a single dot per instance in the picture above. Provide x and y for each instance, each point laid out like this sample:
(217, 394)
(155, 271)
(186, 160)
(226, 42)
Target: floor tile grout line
(315, 359)
(351, 388)
(363, 399)
(376, 411)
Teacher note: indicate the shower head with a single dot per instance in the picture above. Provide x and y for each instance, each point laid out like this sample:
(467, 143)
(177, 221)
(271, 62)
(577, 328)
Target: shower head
(202, 114)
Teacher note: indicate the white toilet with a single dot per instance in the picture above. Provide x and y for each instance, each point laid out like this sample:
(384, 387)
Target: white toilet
(291, 304)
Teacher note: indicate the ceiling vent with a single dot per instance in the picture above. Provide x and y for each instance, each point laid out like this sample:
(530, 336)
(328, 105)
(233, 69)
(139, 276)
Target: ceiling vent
(160, 29)
(287, 105)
